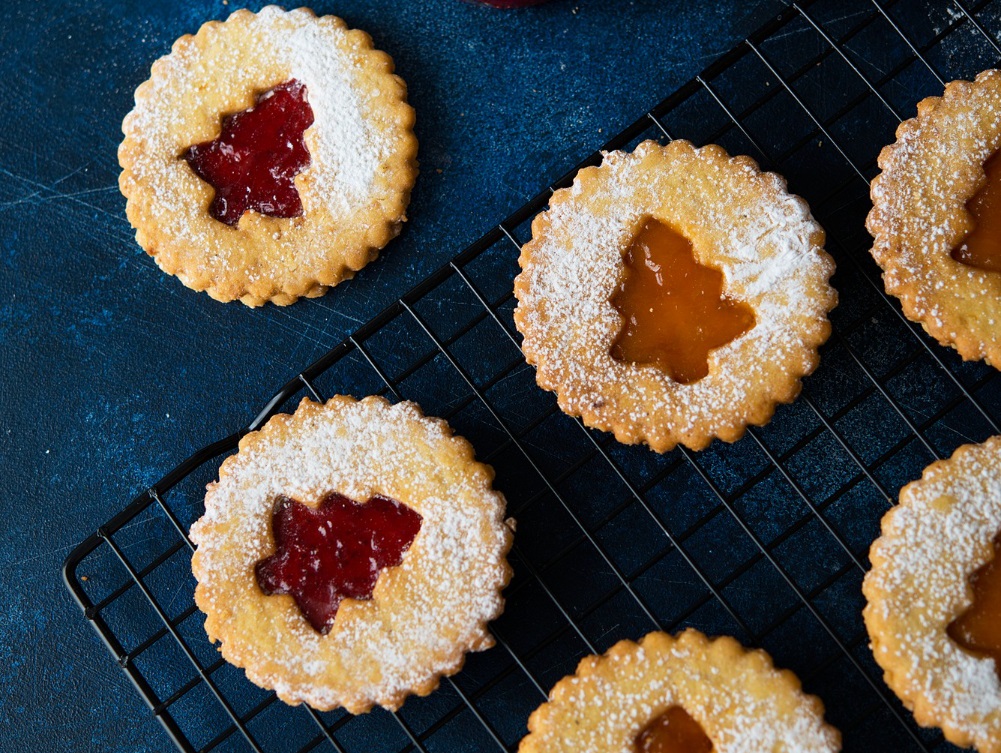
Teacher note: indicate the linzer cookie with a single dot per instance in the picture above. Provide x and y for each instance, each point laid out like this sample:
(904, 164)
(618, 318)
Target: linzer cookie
(687, 694)
(351, 554)
(934, 597)
(936, 217)
(269, 156)
(674, 295)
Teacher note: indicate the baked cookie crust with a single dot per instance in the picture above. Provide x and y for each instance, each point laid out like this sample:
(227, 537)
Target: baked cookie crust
(919, 216)
(361, 144)
(740, 221)
(941, 532)
(424, 615)
(737, 696)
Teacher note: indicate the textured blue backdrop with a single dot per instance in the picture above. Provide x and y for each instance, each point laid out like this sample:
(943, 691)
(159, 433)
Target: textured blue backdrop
(113, 372)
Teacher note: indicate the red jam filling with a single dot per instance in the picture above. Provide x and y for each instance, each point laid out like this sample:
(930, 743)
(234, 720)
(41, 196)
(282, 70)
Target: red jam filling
(258, 153)
(674, 731)
(334, 552)
(978, 629)
(982, 247)
(673, 309)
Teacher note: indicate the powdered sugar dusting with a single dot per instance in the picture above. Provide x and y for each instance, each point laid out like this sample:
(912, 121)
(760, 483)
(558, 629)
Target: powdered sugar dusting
(218, 72)
(919, 214)
(742, 702)
(345, 147)
(942, 532)
(424, 614)
(348, 147)
(740, 221)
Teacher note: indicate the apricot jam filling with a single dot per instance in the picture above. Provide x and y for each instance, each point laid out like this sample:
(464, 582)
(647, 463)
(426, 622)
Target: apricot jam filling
(978, 629)
(672, 307)
(258, 153)
(674, 731)
(334, 552)
(982, 247)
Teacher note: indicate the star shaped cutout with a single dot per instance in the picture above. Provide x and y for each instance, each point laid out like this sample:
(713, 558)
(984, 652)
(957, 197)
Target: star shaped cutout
(333, 552)
(258, 153)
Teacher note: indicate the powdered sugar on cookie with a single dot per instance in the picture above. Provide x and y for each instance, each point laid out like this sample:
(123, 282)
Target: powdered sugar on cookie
(424, 614)
(348, 145)
(741, 222)
(942, 531)
(742, 703)
(361, 146)
(919, 216)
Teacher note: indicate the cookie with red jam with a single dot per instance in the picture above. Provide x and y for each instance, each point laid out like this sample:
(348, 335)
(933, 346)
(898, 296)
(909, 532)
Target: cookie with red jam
(269, 156)
(351, 554)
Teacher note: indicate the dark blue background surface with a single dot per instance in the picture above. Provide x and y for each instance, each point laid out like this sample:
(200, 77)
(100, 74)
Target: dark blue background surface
(113, 372)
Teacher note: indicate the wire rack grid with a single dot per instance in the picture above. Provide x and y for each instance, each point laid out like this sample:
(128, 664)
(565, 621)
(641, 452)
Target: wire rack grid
(765, 539)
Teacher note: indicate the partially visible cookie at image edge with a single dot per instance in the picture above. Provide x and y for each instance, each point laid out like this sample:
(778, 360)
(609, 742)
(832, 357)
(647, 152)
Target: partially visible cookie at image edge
(936, 217)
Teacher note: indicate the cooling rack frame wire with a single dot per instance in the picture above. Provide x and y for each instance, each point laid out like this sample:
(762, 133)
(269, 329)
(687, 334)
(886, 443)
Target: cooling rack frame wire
(726, 476)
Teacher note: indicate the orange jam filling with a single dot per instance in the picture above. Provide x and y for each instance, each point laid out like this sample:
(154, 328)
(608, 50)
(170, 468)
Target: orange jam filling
(674, 731)
(978, 629)
(982, 247)
(672, 307)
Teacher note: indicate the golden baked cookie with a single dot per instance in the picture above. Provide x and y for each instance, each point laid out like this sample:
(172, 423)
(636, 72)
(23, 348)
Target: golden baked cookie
(674, 295)
(692, 691)
(350, 554)
(934, 600)
(936, 217)
(269, 156)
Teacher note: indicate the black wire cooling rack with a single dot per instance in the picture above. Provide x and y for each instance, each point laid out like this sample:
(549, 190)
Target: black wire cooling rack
(765, 539)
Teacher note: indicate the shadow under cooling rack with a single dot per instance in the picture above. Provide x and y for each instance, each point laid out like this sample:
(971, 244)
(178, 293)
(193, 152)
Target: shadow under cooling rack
(765, 539)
